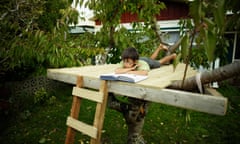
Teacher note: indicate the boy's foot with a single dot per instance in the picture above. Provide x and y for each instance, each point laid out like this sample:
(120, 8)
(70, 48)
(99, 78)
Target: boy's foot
(174, 55)
(163, 47)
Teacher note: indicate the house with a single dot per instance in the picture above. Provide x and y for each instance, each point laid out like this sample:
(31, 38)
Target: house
(168, 19)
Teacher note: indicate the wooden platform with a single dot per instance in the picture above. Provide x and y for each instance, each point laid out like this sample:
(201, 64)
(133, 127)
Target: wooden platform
(151, 89)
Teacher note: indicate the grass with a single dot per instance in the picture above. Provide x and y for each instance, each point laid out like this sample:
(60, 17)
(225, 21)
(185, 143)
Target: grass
(163, 124)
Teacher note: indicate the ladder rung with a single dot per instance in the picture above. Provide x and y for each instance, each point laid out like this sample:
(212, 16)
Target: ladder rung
(88, 94)
(82, 127)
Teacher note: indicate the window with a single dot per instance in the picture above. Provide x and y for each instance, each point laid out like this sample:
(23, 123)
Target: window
(234, 44)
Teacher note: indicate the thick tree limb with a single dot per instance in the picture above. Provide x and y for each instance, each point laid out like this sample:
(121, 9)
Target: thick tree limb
(173, 48)
(216, 75)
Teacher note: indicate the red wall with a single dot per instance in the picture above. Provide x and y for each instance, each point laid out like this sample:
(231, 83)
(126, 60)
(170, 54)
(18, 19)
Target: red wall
(174, 10)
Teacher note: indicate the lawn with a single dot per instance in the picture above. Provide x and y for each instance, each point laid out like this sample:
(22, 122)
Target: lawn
(46, 123)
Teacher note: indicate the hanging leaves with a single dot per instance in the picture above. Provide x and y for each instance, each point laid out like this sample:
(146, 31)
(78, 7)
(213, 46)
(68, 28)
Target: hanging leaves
(196, 12)
(185, 47)
(210, 43)
(208, 32)
(177, 61)
(219, 14)
(35, 36)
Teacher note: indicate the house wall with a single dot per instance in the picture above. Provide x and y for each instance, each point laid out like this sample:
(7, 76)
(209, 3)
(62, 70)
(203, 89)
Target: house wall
(168, 20)
(173, 11)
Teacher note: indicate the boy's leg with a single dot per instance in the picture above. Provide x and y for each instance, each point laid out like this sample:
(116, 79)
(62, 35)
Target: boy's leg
(167, 59)
(156, 52)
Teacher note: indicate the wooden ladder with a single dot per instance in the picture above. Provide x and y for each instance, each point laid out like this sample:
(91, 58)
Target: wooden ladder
(100, 97)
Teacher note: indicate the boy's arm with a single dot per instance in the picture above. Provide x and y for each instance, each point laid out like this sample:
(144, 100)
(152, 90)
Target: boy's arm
(123, 70)
(138, 72)
(131, 71)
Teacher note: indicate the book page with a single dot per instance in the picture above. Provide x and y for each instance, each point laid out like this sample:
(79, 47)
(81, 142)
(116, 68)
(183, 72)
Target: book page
(131, 77)
(123, 77)
(109, 76)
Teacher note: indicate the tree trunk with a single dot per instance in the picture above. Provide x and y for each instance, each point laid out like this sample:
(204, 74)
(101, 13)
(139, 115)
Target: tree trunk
(216, 75)
(173, 48)
(134, 113)
(134, 116)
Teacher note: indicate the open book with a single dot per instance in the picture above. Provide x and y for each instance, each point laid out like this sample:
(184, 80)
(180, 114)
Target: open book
(123, 77)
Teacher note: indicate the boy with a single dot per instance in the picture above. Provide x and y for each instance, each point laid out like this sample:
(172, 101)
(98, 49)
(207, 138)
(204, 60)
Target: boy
(132, 64)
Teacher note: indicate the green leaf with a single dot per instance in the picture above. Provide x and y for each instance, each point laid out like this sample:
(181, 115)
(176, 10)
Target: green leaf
(219, 14)
(209, 22)
(176, 61)
(42, 140)
(210, 44)
(196, 11)
(185, 46)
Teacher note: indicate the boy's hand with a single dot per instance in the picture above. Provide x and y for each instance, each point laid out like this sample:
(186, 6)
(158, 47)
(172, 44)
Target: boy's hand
(135, 67)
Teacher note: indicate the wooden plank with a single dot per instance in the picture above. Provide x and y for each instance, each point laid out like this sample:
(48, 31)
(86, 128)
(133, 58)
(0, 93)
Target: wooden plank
(82, 127)
(193, 101)
(74, 112)
(161, 77)
(213, 92)
(96, 96)
(100, 112)
(62, 76)
(214, 106)
(152, 89)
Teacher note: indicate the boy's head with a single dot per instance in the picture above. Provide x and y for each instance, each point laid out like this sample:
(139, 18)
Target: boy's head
(130, 57)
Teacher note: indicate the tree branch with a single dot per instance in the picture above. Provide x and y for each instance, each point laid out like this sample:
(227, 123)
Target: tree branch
(216, 75)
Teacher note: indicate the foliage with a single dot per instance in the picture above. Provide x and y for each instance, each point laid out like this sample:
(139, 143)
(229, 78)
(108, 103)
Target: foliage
(203, 34)
(34, 36)
(116, 38)
(55, 11)
(41, 96)
(206, 29)
(233, 22)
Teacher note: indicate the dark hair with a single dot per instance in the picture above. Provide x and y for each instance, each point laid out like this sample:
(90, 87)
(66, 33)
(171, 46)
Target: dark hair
(130, 53)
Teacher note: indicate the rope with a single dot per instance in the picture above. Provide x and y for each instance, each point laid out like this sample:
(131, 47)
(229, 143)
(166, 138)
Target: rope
(199, 83)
